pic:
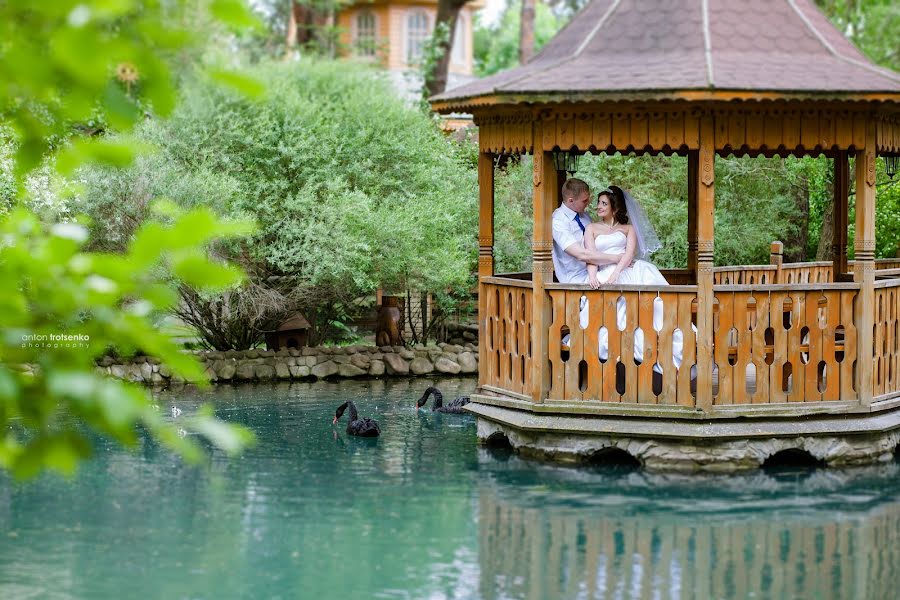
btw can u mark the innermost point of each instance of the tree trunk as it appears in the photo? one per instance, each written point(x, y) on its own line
point(290, 42)
point(795, 247)
point(526, 32)
point(825, 250)
point(447, 12)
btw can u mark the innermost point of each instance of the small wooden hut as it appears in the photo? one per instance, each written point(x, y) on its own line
point(290, 334)
point(803, 356)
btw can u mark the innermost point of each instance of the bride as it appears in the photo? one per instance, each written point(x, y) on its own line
point(623, 228)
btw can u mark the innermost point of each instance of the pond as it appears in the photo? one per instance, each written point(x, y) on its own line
point(424, 513)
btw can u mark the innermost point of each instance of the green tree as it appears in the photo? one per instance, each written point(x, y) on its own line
point(63, 66)
point(352, 189)
point(496, 47)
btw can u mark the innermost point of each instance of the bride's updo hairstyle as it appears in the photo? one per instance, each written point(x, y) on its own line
point(617, 203)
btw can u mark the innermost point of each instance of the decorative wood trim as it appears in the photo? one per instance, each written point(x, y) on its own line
point(754, 128)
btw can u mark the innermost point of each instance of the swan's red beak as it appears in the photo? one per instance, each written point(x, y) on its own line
point(334, 421)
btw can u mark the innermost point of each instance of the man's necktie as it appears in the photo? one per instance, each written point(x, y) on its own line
point(580, 224)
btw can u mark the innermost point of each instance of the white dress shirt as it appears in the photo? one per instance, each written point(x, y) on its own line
point(565, 233)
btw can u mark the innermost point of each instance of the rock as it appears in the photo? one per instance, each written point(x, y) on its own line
point(385, 349)
point(106, 361)
point(244, 371)
point(264, 371)
point(299, 371)
point(376, 369)
point(309, 351)
point(283, 353)
point(146, 371)
point(420, 347)
point(341, 359)
point(395, 365)
point(134, 373)
point(209, 373)
point(312, 361)
point(348, 370)
point(251, 354)
point(214, 355)
point(232, 354)
point(421, 366)
point(282, 371)
point(468, 335)
point(445, 365)
point(453, 348)
point(467, 362)
point(360, 360)
point(118, 371)
point(407, 354)
point(294, 352)
point(157, 379)
point(226, 371)
point(263, 353)
point(165, 371)
point(377, 356)
point(325, 369)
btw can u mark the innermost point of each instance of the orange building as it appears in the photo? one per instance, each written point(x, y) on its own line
point(394, 33)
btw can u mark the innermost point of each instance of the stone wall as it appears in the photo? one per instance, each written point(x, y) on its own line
point(309, 363)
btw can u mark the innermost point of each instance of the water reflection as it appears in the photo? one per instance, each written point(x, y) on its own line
point(577, 534)
point(423, 513)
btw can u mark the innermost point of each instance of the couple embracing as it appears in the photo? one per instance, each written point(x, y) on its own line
point(611, 250)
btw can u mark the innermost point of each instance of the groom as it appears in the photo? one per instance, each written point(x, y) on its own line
point(570, 257)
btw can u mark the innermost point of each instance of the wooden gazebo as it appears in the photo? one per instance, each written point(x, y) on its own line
point(785, 356)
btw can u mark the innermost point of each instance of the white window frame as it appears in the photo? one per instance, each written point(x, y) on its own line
point(407, 42)
point(370, 51)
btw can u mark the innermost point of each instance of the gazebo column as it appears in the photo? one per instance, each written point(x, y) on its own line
point(841, 211)
point(864, 266)
point(705, 222)
point(693, 182)
point(546, 185)
point(485, 252)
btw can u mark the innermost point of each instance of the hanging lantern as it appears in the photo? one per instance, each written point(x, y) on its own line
point(890, 164)
point(565, 161)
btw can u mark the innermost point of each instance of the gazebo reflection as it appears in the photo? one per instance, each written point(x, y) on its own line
point(658, 539)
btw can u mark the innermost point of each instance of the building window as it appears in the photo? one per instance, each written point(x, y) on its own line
point(417, 32)
point(458, 53)
point(365, 34)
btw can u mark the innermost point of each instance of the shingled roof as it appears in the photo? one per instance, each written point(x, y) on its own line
point(663, 48)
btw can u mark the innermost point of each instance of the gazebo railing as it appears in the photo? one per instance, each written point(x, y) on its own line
point(772, 344)
point(506, 339)
point(626, 350)
point(784, 343)
point(886, 367)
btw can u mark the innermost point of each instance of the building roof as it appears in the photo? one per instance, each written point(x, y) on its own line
point(295, 322)
point(664, 48)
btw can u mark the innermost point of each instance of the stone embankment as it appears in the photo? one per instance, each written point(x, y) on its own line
point(309, 363)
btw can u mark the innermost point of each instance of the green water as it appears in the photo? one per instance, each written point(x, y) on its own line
point(423, 513)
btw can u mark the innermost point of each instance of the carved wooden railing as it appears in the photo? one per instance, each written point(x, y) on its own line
point(784, 343)
point(579, 371)
point(506, 341)
point(772, 344)
point(886, 374)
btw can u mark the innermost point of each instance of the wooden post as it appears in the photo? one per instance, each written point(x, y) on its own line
point(864, 266)
point(485, 215)
point(693, 181)
point(706, 193)
point(546, 187)
point(841, 211)
point(776, 257)
point(485, 253)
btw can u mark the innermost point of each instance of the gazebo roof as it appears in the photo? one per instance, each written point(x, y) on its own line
point(691, 49)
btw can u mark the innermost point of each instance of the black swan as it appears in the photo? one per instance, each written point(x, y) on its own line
point(455, 407)
point(364, 427)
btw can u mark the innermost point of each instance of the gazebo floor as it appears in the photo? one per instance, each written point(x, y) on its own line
point(692, 445)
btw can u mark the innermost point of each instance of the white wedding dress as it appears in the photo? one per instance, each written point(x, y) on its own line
point(640, 272)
